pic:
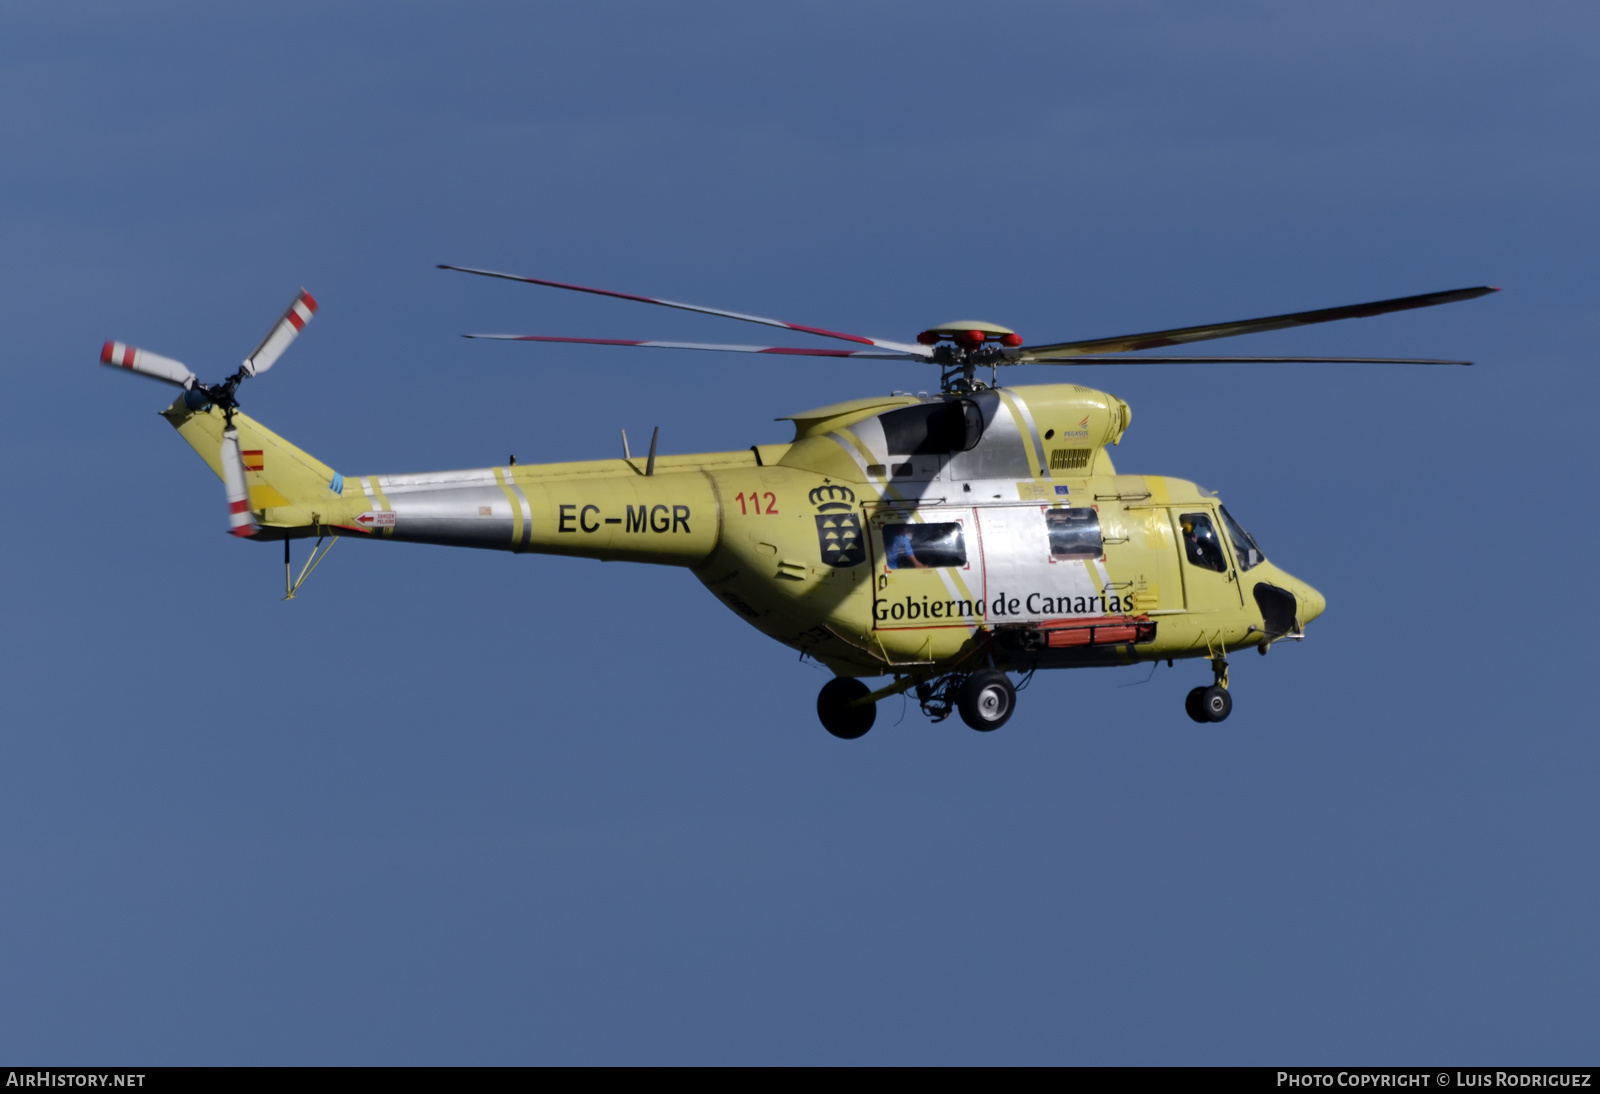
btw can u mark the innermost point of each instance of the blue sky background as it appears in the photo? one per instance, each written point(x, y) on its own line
point(450, 807)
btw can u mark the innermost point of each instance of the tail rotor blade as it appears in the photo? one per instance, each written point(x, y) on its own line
point(145, 363)
point(241, 522)
point(286, 330)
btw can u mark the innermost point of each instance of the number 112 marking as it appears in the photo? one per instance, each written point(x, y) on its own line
point(755, 503)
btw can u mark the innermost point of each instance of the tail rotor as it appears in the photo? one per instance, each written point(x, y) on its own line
point(202, 397)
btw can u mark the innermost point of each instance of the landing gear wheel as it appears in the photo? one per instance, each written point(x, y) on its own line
point(1216, 703)
point(838, 716)
point(987, 700)
point(1191, 704)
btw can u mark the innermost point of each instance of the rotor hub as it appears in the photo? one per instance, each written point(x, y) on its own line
point(959, 347)
point(970, 334)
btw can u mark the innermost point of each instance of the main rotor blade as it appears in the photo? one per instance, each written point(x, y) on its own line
point(1087, 360)
point(903, 347)
point(145, 363)
point(1181, 335)
point(241, 522)
point(285, 331)
point(799, 351)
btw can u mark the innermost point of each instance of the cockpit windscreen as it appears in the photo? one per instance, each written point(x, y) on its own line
point(1244, 544)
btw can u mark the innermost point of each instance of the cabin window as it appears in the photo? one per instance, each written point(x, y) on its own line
point(932, 429)
point(1244, 544)
point(1200, 542)
point(923, 546)
point(1074, 533)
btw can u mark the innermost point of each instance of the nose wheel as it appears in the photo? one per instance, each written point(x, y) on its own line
point(1212, 704)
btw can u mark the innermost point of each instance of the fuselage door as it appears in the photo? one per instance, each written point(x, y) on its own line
point(1210, 583)
point(1143, 558)
point(1044, 562)
point(928, 565)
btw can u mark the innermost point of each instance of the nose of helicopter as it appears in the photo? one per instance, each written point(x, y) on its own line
point(1311, 603)
point(1308, 602)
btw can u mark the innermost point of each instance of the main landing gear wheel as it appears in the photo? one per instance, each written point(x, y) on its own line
point(838, 716)
point(987, 700)
point(1212, 704)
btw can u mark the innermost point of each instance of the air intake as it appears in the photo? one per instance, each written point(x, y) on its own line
point(1070, 459)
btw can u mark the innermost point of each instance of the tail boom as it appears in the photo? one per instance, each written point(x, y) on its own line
point(611, 510)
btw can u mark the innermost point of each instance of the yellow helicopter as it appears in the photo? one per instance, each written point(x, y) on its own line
point(943, 541)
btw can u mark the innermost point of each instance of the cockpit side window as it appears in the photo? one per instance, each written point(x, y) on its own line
point(1200, 542)
point(933, 429)
point(1244, 544)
